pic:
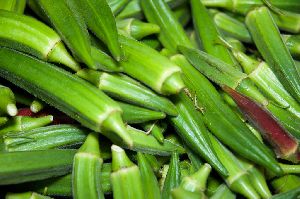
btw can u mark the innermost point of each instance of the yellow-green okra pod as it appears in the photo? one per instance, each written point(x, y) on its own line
point(17, 6)
point(61, 89)
point(31, 36)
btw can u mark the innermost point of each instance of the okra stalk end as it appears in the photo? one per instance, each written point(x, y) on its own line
point(120, 159)
point(173, 84)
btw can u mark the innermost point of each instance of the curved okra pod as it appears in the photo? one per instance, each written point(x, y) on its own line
point(100, 20)
point(190, 127)
point(134, 114)
point(70, 94)
point(172, 179)
point(72, 28)
point(172, 33)
point(26, 166)
point(193, 186)
point(17, 6)
point(270, 45)
point(125, 177)
point(149, 182)
point(148, 66)
point(42, 138)
point(117, 6)
point(86, 170)
point(23, 123)
point(207, 31)
point(222, 121)
point(123, 88)
point(136, 29)
point(7, 102)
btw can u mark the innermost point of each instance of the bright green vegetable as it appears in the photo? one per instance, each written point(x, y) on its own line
point(223, 193)
point(117, 6)
point(156, 129)
point(285, 183)
point(17, 6)
point(292, 194)
point(293, 44)
point(7, 102)
point(25, 195)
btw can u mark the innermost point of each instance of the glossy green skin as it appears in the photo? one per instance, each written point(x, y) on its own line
point(292, 194)
point(25, 166)
point(103, 61)
point(7, 98)
point(43, 138)
point(69, 24)
point(223, 192)
point(101, 21)
point(173, 177)
point(207, 31)
point(59, 88)
point(191, 129)
point(222, 121)
point(117, 6)
point(270, 45)
point(13, 5)
point(172, 33)
point(149, 180)
point(149, 67)
point(293, 43)
point(25, 195)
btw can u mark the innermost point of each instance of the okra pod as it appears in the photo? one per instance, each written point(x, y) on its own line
point(125, 177)
point(49, 137)
point(134, 114)
point(3, 120)
point(293, 44)
point(156, 129)
point(270, 45)
point(72, 29)
point(25, 166)
point(221, 120)
point(172, 179)
point(292, 194)
point(126, 89)
point(236, 44)
point(70, 94)
point(117, 6)
point(25, 195)
point(17, 6)
point(7, 102)
point(285, 183)
point(182, 14)
point(151, 42)
point(86, 170)
point(223, 193)
point(149, 182)
point(148, 66)
point(158, 12)
point(190, 127)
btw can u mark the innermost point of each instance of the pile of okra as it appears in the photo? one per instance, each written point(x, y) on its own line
point(150, 99)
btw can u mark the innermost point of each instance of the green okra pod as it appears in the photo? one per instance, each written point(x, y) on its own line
point(136, 29)
point(151, 42)
point(22, 123)
point(207, 31)
point(148, 66)
point(125, 177)
point(86, 170)
point(149, 182)
point(134, 114)
point(103, 27)
point(25, 166)
point(25, 195)
point(3, 120)
point(117, 6)
point(172, 179)
point(7, 102)
point(190, 127)
point(72, 28)
point(158, 12)
point(212, 185)
point(293, 44)
point(42, 138)
point(223, 192)
point(123, 88)
point(17, 6)
point(292, 194)
point(67, 92)
point(221, 120)
point(270, 45)
point(156, 129)
point(285, 183)
point(182, 14)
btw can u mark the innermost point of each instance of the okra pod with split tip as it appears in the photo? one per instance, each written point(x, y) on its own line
point(136, 29)
point(217, 116)
point(148, 144)
point(207, 31)
point(285, 183)
point(125, 177)
point(223, 192)
point(270, 45)
point(149, 182)
point(190, 127)
point(49, 137)
point(103, 27)
point(17, 6)
point(156, 129)
point(126, 89)
point(193, 186)
point(69, 24)
point(70, 94)
point(134, 114)
point(23, 123)
point(25, 166)
point(172, 179)
point(293, 44)
point(292, 194)
point(86, 170)
point(117, 6)
point(7, 102)
point(26, 195)
point(172, 33)
point(148, 66)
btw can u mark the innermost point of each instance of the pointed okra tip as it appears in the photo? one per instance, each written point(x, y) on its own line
point(11, 110)
point(119, 158)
